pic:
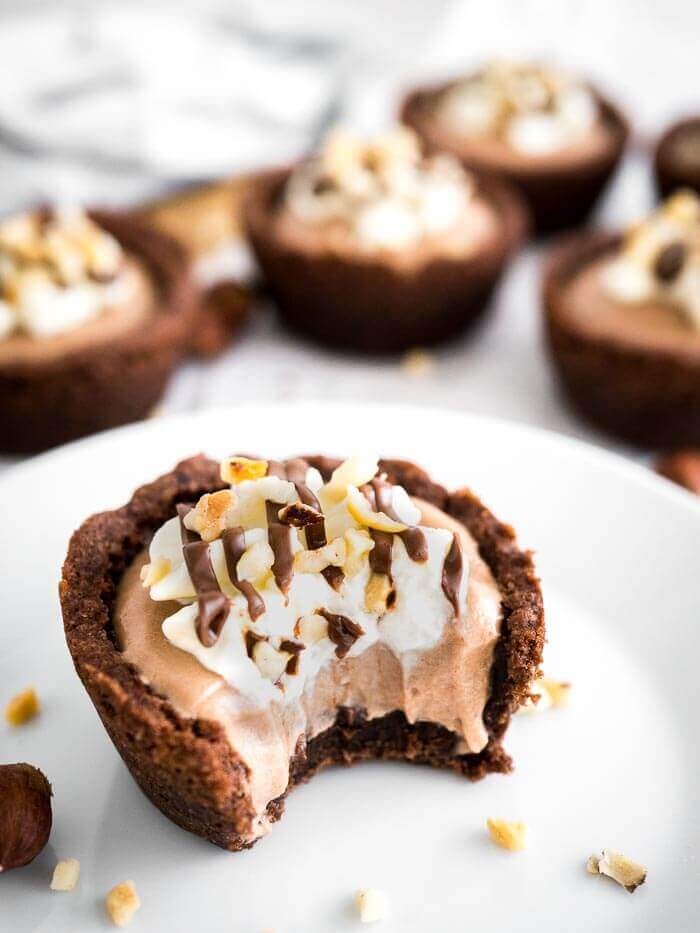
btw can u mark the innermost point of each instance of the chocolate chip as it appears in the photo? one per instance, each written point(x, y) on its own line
point(669, 261)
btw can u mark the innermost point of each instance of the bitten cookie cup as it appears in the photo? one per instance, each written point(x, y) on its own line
point(558, 196)
point(51, 398)
point(645, 393)
point(677, 157)
point(187, 767)
point(365, 302)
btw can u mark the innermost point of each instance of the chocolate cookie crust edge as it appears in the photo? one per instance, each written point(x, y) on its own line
point(558, 198)
point(363, 303)
point(49, 402)
point(647, 397)
point(667, 174)
point(185, 766)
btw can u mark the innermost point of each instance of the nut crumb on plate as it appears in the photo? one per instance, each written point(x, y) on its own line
point(417, 363)
point(507, 834)
point(22, 707)
point(121, 903)
point(65, 875)
point(617, 866)
point(547, 693)
point(371, 905)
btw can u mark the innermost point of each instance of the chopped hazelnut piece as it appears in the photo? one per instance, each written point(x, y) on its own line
point(330, 555)
point(65, 875)
point(311, 628)
point(355, 471)
point(239, 469)
point(121, 903)
point(507, 834)
point(154, 572)
point(208, 518)
point(377, 593)
point(271, 662)
point(617, 866)
point(417, 363)
point(559, 692)
point(371, 905)
point(22, 708)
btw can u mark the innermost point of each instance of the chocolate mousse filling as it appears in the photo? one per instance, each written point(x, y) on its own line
point(111, 370)
point(560, 188)
point(632, 369)
point(223, 772)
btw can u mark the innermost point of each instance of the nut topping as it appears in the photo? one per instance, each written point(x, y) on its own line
point(371, 905)
point(121, 903)
point(507, 834)
point(65, 875)
point(208, 518)
point(22, 708)
point(239, 469)
point(617, 866)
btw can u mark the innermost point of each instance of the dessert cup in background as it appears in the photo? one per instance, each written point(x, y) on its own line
point(240, 626)
point(677, 157)
point(622, 316)
point(95, 311)
point(555, 138)
point(370, 246)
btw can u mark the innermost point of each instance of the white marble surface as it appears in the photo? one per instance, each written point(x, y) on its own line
point(317, 62)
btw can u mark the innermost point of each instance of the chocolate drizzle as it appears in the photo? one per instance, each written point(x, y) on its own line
point(343, 632)
point(333, 576)
point(294, 648)
point(378, 492)
point(452, 573)
point(186, 536)
point(212, 604)
point(233, 541)
point(279, 538)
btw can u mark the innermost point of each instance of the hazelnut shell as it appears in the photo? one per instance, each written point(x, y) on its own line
point(25, 814)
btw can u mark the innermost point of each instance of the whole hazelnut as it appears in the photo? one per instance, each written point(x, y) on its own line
point(25, 814)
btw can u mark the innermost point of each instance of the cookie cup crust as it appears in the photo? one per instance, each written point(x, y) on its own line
point(365, 303)
point(557, 197)
point(49, 402)
point(186, 766)
point(645, 396)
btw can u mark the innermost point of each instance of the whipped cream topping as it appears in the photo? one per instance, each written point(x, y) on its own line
point(58, 270)
point(282, 574)
point(660, 260)
point(383, 192)
point(532, 109)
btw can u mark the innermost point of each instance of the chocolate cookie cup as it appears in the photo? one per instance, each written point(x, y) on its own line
point(365, 303)
point(677, 157)
point(645, 394)
point(49, 399)
point(557, 196)
point(186, 766)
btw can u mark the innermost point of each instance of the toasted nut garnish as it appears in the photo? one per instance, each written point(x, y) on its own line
point(121, 903)
point(299, 515)
point(238, 469)
point(362, 512)
point(256, 563)
point(330, 555)
point(377, 593)
point(23, 707)
point(683, 206)
point(507, 834)
point(65, 875)
point(208, 517)
point(371, 905)
point(271, 662)
point(417, 363)
point(155, 571)
point(538, 700)
point(558, 691)
point(311, 629)
point(358, 543)
point(618, 867)
point(355, 471)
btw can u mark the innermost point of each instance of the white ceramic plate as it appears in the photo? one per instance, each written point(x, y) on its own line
point(618, 553)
